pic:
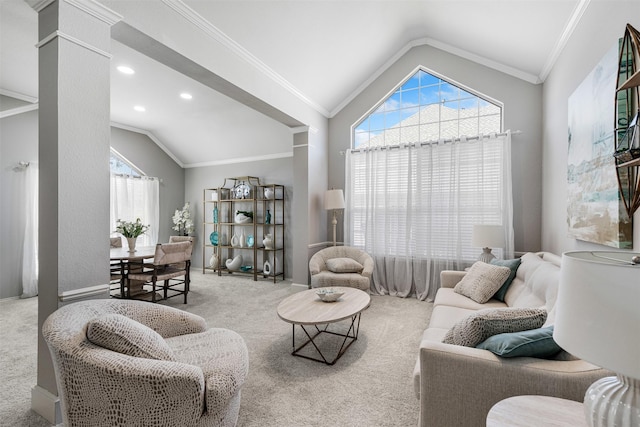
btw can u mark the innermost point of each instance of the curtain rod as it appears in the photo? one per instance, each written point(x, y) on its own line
point(124, 175)
point(414, 144)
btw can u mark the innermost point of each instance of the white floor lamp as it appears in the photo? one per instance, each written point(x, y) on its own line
point(334, 200)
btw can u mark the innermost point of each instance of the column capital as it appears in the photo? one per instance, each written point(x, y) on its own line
point(91, 7)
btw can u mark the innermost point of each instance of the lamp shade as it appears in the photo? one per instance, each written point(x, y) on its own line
point(487, 236)
point(333, 199)
point(598, 309)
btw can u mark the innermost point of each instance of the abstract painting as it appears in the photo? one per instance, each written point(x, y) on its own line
point(595, 211)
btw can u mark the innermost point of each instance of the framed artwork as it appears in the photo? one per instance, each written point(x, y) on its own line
point(595, 210)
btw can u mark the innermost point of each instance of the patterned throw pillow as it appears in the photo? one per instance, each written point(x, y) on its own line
point(124, 335)
point(479, 326)
point(344, 265)
point(482, 281)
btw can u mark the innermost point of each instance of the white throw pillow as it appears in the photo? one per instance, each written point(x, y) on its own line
point(477, 327)
point(482, 281)
point(344, 265)
point(124, 335)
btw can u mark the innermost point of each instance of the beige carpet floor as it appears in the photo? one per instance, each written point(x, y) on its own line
point(371, 385)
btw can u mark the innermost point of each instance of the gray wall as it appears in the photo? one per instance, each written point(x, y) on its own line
point(522, 111)
point(19, 142)
point(148, 157)
point(274, 171)
point(601, 25)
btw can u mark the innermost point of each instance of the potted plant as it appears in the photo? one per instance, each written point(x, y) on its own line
point(131, 230)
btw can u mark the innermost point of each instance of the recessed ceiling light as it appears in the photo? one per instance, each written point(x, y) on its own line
point(185, 95)
point(140, 108)
point(125, 70)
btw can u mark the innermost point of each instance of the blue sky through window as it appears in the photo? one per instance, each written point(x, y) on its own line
point(427, 108)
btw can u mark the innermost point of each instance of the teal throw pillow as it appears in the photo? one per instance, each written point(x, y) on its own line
point(513, 264)
point(532, 343)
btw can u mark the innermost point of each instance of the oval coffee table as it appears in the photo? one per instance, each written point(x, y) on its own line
point(306, 310)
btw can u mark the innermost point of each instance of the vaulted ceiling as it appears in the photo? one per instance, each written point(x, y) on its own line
point(324, 52)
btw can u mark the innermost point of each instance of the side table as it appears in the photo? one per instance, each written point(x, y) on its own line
point(527, 411)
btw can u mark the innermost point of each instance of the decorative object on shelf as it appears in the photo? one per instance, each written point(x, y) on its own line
point(242, 191)
point(131, 230)
point(215, 215)
point(213, 238)
point(235, 241)
point(589, 281)
point(182, 221)
point(214, 195)
point(267, 217)
point(268, 241)
point(334, 200)
point(266, 268)
point(213, 262)
point(246, 268)
point(234, 264)
point(329, 294)
point(250, 241)
point(242, 239)
point(268, 193)
point(223, 239)
point(487, 237)
point(243, 217)
point(628, 148)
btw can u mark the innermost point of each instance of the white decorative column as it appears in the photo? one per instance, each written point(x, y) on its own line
point(74, 132)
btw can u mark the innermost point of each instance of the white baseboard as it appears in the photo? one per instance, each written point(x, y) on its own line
point(299, 286)
point(46, 404)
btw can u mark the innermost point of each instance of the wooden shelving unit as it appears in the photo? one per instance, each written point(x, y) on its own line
point(225, 237)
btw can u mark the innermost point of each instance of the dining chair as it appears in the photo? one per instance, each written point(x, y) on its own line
point(178, 239)
point(115, 267)
point(171, 264)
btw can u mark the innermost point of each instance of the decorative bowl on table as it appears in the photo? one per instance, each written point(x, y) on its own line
point(329, 294)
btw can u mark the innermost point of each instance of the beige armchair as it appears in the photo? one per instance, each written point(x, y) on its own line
point(124, 363)
point(341, 266)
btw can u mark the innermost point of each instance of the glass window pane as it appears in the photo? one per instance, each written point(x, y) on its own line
point(413, 82)
point(469, 127)
point(393, 102)
point(449, 129)
point(410, 116)
point(429, 95)
point(448, 91)
point(409, 135)
point(427, 79)
point(392, 119)
point(489, 124)
point(363, 126)
point(487, 108)
point(361, 138)
point(377, 121)
point(430, 132)
point(449, 110)
point(410, 98)
point(392, 136)
point(430, 114)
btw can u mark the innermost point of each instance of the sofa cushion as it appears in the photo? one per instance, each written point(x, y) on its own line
point(343, 265)
point(124, 335)
point(482, 281)
point(447, 296)
point(479, 326)
point(531, 343)
point(513, 264)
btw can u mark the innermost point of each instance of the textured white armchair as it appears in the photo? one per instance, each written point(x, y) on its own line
point(341, 266)
point(123, 363)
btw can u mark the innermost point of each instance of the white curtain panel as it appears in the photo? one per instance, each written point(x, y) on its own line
point(133, 198)
point(30, 245)
point(413, 208)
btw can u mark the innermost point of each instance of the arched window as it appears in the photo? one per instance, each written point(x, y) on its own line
point(427, 108)
point(120, 165)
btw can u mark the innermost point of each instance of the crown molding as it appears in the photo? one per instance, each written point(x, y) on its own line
point(573, 22)
point(215, 33)
point(240, 160)
point(91, 7)
point(18, 95)
point(151, 137)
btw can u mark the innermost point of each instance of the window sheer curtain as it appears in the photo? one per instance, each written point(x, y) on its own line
point(30, 242)
point(413, 208)
point(133, 198)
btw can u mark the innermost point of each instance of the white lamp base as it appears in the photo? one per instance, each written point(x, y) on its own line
point(486, 255)
point(613, 402)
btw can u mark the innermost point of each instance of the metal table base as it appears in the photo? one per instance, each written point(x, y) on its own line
point(349, 338)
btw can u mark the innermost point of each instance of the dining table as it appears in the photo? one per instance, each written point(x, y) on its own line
point(131, 261)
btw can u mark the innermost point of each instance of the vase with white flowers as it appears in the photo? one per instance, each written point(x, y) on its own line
point(182, 221)
point(131, 231)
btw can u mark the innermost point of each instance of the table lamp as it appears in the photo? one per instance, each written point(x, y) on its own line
point(334, 200)
point(598, 320)
point(487, 237)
